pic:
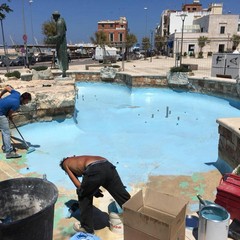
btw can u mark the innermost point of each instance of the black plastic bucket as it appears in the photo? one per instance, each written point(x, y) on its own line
point(27, 209)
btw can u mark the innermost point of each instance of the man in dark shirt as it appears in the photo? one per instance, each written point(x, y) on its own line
point(96, 171)
point(8, 105)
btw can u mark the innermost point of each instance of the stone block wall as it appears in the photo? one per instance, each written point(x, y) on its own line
point(229, 141)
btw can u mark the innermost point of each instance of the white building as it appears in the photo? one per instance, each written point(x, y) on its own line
point(197, 21)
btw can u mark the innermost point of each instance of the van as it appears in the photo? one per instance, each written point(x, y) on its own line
point(106, 54)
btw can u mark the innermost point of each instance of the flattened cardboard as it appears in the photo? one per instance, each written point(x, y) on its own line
point(158, 215)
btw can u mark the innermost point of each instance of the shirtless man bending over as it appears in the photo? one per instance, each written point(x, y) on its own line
point(95, 171)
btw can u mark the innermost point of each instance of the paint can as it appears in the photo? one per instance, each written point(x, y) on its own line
point(207, 203)
point(115, 218)
point(203, 203)
point(213, 223)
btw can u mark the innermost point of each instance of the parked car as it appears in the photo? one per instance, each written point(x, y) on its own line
point(119, 57)
point(4, 61)
point(43, 57)
point(21, 61)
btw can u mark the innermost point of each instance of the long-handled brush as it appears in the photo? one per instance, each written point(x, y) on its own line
point(28, 148)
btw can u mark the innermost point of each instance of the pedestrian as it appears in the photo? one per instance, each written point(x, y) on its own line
point(95, 171)
point(61, 43)
point(8, 105)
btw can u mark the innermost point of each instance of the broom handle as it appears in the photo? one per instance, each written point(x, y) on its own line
point(20, 133)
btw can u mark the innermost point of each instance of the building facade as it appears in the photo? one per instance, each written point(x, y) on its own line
point(209, 22)
point(116, 30)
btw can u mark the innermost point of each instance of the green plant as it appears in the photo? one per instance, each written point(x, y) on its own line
point(179, 69)
point(16, 74)
point(209, 54)
point(115, 66)
point(200, 55)
point(40, 68)
point(185, 54)
point(192, 54)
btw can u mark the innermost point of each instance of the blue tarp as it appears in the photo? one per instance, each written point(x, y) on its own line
point(84, 236)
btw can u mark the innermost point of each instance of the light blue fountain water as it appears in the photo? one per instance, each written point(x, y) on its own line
point(131, 128)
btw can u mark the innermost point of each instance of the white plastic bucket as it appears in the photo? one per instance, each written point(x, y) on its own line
point(115, 218)
point(213, 223)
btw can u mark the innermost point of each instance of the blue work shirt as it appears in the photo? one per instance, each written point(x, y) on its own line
point(10, 102)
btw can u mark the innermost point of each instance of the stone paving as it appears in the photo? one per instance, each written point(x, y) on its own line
point(154, 66)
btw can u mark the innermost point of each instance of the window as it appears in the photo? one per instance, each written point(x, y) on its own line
point(238, 28)
point(111, 25)
point(111, 37)
point(102, 25)
point(222, 29)
point(120, 37)
point(221, 48)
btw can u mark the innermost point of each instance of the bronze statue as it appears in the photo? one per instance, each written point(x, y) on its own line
point(61, 43)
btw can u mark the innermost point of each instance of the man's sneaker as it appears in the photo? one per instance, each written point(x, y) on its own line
point(13, 154)
point(78, 228)
point(4, 149)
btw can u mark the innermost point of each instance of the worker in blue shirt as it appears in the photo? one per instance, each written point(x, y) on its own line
point(8, 105)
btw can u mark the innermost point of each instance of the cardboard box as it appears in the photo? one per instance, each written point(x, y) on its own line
point(155, 216)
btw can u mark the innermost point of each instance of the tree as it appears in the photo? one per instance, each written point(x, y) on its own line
point(131, 39)
point(236, 40)
point(202, 41)
point(159, 42)
point(48, 29)
point(145, 45)
point(4, 8)
point(100, 38)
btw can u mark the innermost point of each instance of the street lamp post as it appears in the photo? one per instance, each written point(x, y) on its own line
point(25, 35)
point(146, 21)
point(183, 16)
point(30, 2)
point(151, 45)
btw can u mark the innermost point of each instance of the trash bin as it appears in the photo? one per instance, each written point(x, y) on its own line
point(27, 209)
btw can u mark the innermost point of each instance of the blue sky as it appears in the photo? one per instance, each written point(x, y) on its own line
point(82, 16)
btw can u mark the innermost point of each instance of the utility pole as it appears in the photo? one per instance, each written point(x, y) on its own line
point(25, 35)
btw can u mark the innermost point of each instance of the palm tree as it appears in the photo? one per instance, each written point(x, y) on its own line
point(48, 30)
point(100, 38)
point(145, 45)
point(4, 8)
point(202, 41)
point(159, 42)
point(236, 40)
point(131, 39)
